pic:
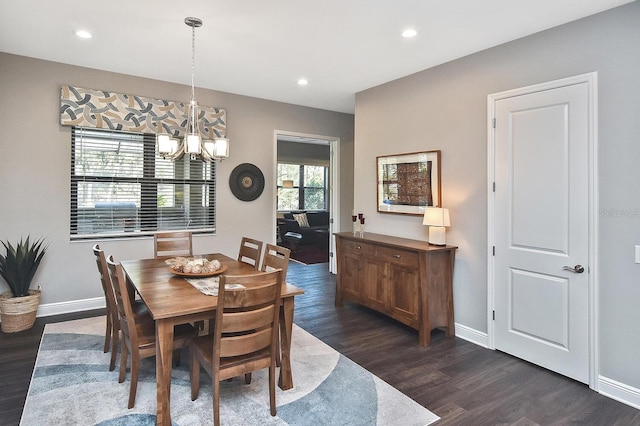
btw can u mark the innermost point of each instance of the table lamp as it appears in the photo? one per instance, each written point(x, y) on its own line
point(436, 219)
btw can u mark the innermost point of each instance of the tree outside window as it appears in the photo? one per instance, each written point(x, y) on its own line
point(302, 187)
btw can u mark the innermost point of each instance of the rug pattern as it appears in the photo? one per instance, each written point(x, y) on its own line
point(71, 384)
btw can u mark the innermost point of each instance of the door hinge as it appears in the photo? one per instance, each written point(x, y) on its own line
point(494, 123)
point(494, 250)
point(494, 187)
point(494, 315)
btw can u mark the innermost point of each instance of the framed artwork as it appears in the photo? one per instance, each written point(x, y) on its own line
point(407, 183)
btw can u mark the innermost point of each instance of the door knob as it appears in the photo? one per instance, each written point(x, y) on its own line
point(578, 269)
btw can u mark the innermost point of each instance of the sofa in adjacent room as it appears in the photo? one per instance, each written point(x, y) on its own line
point(304, 227)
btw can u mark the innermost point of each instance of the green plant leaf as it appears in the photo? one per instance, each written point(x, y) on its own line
point(20, 264)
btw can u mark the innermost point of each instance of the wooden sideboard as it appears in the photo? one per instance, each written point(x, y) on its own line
point(408, 280)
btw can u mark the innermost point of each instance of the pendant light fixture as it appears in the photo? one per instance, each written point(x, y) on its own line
point(193, 142)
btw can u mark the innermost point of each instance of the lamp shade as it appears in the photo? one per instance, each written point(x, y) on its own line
point(221, 148)
point(192, 143)
point(436, 216)
point(164, 143)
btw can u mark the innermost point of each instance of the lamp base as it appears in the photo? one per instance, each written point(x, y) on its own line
point(437, 235)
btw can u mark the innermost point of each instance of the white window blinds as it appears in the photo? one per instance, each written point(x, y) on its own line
point(120, 186)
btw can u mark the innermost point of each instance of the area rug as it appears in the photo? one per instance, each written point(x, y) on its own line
point(72, 385)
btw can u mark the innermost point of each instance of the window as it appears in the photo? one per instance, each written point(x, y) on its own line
point(120, 186)
point(302, 187)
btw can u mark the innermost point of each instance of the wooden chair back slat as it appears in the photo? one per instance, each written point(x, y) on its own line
point(179, 243)
point(245, 344)
point(250, 251)
point(235, 322)
point(276, 257)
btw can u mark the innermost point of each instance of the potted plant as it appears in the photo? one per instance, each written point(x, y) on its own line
point(18, 307)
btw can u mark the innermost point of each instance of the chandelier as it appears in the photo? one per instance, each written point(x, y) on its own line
point(193, 143)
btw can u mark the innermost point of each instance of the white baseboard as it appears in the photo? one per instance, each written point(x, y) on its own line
point(72, 306)
point(619, 391)
point(472, 335)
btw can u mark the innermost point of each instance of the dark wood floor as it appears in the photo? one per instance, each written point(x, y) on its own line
point(461, 382)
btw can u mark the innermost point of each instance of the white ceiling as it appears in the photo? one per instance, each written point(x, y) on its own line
point(260, 48)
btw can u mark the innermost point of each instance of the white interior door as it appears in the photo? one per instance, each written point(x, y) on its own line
point(541, 228)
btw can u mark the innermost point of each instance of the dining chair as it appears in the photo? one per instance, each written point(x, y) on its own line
point(112, 332)
point(139, 333)
point(245, 332)
point(276, 257)
point(250, 250)
point(175, 243)
point(178, 243)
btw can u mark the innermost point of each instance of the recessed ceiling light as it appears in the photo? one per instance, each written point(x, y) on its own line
point(409, 33)
point(303, 82)
point(83, 34)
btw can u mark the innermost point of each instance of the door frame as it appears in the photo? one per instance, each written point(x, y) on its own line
point(591, 79)
point(334, 184)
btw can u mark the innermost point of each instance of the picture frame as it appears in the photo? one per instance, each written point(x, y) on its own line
point(408, 183)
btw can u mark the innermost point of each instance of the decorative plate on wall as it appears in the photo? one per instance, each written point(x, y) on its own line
point(246, 182)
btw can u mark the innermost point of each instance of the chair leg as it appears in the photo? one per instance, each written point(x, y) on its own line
point(278, 344)
point(107, 336)
point(272, 389)
point(194, 376)
point(176, 357)
point(133, 387)
point(278, 354)
point(114, 354)
point(115, 338)
point(123, 363)
point(247, 378)
point(216, 402)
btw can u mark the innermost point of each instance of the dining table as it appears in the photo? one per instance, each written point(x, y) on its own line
point(172, 300)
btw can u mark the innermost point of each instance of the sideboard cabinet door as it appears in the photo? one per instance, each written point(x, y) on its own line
point(375, 282)
point(403, 301)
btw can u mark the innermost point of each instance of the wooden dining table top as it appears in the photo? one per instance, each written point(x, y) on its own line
point(169, 295)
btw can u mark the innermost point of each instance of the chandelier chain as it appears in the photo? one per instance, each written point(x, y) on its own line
point(193, 61)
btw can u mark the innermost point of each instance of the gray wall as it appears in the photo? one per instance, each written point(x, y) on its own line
point(35, 167)
point(305, 153)
point(446, 108)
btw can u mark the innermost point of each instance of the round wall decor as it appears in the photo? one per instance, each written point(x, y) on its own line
point(246, 182)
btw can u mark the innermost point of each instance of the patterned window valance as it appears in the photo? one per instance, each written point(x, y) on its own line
point(116, 111)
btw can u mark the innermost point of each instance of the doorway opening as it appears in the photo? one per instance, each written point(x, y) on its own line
point(306, 206)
